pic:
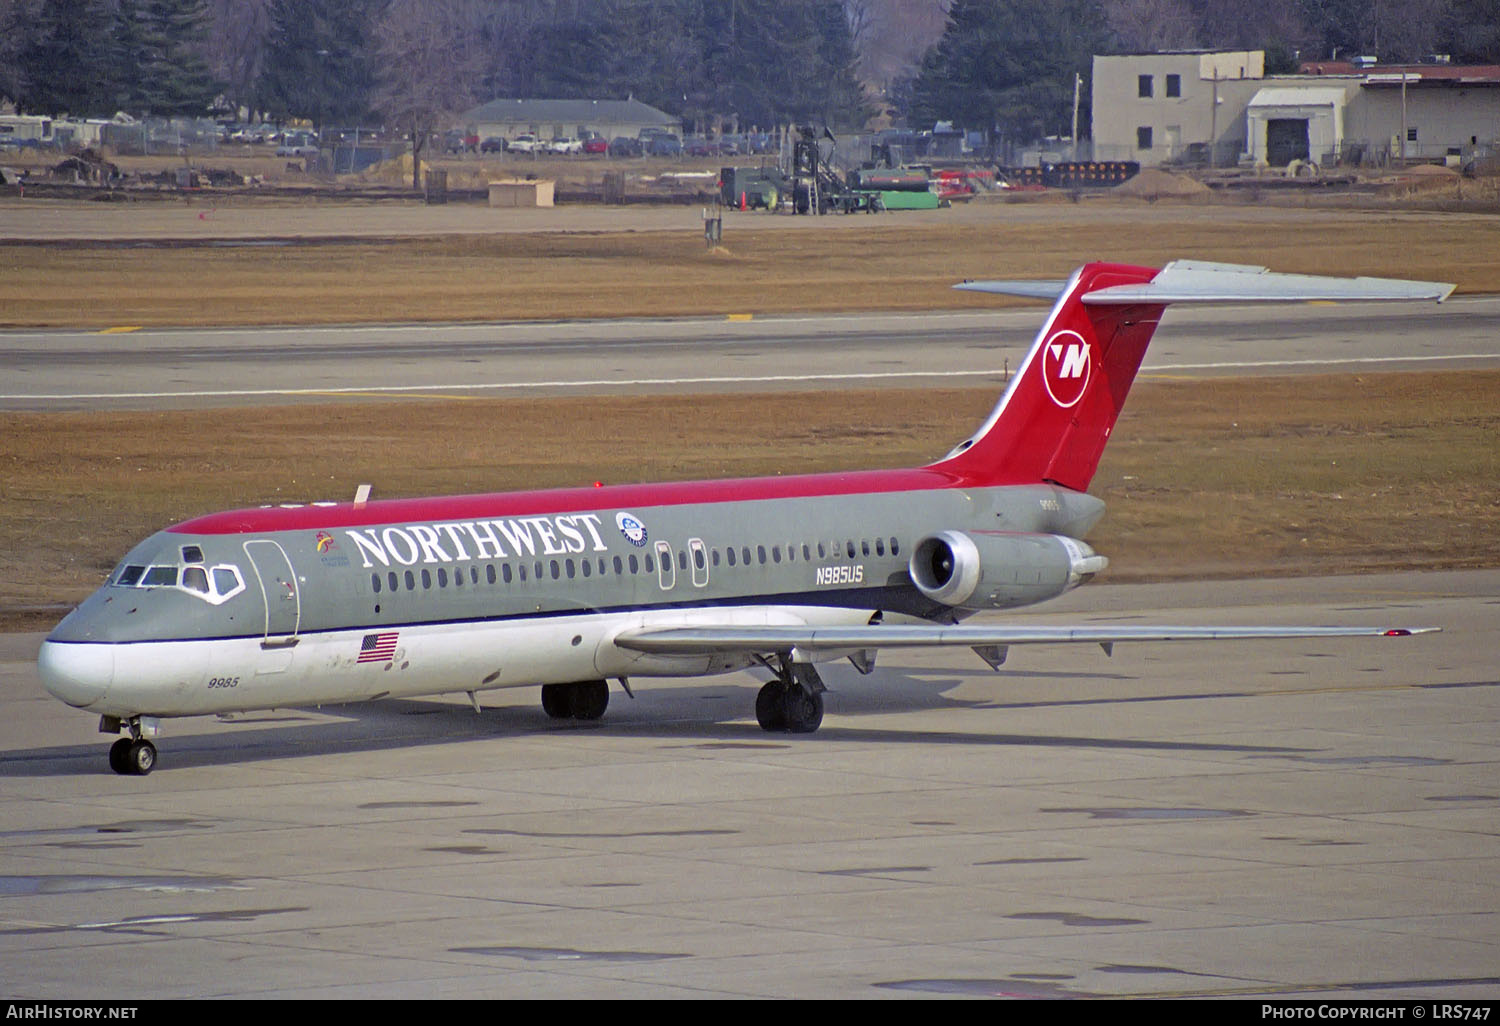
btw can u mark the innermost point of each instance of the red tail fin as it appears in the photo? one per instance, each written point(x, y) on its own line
point(1054, 419)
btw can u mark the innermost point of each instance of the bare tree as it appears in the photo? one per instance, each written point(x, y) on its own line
point(236, 45)
point(429, 68)
point(1151, 25)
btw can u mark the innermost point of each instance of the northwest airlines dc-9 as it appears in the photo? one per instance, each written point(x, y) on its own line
point(569, 589)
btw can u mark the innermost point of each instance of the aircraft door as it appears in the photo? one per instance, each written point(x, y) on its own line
point(278, 588)
point(666, 569)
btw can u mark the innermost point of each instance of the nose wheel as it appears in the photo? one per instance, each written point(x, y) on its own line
point(132, 756)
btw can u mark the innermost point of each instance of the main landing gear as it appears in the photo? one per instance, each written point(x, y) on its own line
point(585, 700)
point(793, 702)
point(133, 755)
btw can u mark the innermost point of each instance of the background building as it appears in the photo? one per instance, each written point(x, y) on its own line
point(1188, 107)
point(566, 119)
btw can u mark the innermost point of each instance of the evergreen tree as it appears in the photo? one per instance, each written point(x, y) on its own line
point(60, 69)
point(1006, 67)
point(319, 62)
point(176, 80)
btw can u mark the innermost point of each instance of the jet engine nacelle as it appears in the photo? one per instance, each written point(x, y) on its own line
point(1000, 569)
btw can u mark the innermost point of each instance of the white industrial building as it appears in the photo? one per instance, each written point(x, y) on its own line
point(1160, 108)
point(566, 119)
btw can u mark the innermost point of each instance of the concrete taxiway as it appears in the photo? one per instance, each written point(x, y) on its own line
point(162, 368)
point(1287, 819)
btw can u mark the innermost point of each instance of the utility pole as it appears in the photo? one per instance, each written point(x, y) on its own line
point(1077, 85)
point(1213, 123)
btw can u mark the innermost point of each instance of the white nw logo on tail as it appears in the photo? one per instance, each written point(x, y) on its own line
point(1066, 363)
point(1075, 363)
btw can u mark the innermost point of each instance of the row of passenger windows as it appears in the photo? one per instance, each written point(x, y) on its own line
point(569, 569)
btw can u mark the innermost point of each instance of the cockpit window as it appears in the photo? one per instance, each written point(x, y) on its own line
point(160, 577)
point(213, 584)
point(226, 580)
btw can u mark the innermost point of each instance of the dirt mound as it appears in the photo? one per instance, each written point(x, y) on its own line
point(1153, 184)
point(1429, 171)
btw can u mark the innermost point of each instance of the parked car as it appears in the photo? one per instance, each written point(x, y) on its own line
point(597, 144)
point(562, 146)
point(523, 143)
point(493, 144)
point(298, 144)
point(664, 146)
point(624, 146)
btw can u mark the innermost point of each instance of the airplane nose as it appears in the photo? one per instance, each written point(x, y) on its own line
point(77, 674)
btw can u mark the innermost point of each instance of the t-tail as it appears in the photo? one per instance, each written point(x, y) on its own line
point(1056, 416)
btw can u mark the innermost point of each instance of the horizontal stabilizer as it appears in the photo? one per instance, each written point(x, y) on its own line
point(1025, 289)
point(700, 640)
point(1197, 281)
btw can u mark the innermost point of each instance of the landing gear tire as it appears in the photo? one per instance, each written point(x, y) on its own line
point(133, 757)
point(770, 707)
point(803, 710)
point(557, 701)
point(590, 699)
point(585, 700)
point(141, 758)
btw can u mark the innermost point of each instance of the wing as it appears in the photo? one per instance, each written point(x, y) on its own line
point(990, 643)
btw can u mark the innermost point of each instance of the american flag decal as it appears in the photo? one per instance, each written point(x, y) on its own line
point(378, 648)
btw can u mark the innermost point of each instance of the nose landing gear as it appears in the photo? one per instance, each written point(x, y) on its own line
point(133, 755)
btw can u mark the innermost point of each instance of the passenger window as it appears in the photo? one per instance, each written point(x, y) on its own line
point(587, 567)
point(411, 582)
point(374, 582)
point(195, 578)
point(442, 578)
point(729, 555)
point(879, 546)
point(760, 551)
point(895, 547)
point(619, 568)
point(850, 549)
point(489, 573)
point(776, 553)
point(635, 565)
point(864, 547)
point(570, 568)
point(390, 579)
point(806, 553)
point(504, 573)
point(427, 580)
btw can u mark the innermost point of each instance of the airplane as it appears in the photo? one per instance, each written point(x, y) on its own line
point(320, 603)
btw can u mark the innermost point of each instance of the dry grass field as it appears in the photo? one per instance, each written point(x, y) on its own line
point(1216, 477)
point(885, 265)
